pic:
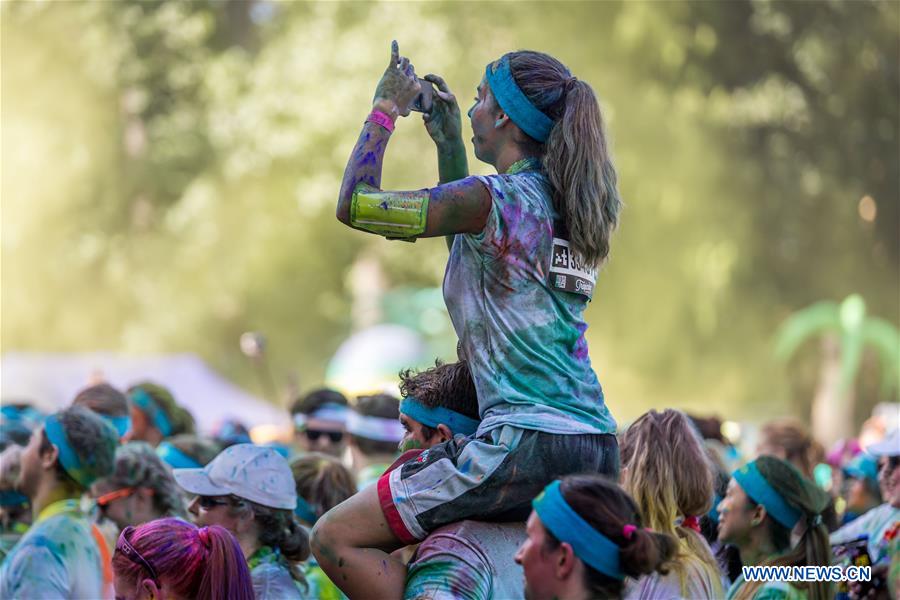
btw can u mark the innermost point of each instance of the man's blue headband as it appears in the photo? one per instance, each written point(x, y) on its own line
point(515, 103)
point(432, 417)
point(154, 411)
point(591, 546)
point(175, 458)
point(121, 424)
point(759, 490)
point(69, 460)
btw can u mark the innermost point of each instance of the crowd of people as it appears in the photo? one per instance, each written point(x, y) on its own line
point(500, 475)
point(90, 510)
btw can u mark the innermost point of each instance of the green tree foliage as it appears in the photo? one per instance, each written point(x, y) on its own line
point(170, 171)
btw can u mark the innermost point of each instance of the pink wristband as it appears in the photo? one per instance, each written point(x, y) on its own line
point(379, 118)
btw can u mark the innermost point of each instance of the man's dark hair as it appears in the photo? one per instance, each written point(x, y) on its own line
point(103, 399)
point(92, 439)
point(443, 385)
point(384, 406)
point(316, 399)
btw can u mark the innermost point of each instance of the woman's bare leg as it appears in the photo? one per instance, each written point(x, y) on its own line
point(352, 543)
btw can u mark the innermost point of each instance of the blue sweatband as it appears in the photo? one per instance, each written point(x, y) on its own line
point(175, 458)
point(759, 490)
point(122, 424)
point(713, 513)
point(12, 498)
point(432, 417)
point(305, 511)
point(69, 460)
point(156, 414)
point(591, 546)
point(514, 102)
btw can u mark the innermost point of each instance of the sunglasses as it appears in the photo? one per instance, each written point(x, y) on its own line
point(209, 502)
point(124, 547)
point(314, 434)
point(105, 500)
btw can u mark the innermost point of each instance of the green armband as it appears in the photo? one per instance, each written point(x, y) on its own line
point(391, 214)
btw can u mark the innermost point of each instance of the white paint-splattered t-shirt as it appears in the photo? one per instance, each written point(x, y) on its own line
point(469, 560)
point(57, 558)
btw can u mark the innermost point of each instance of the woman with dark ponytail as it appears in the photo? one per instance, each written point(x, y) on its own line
point(170, 558)
point(249, 490)
point(767, 500)
point(525, 245)
point(585, 537)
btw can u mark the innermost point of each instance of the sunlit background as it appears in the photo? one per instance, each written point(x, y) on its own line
point(170, 169)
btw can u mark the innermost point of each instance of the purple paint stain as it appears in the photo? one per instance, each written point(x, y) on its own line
point(580, 350)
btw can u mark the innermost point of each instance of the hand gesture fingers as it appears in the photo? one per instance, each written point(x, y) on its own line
point(395, 55)
point(443, 91)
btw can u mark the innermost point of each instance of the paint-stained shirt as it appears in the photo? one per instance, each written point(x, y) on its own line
point(878, 524)
point(57, 558)
point(271, 577)
point(524, 340)
point(699, 583)
point(770, 590)
point(469, 560)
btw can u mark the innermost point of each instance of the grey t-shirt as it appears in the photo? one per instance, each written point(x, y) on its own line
point(524, 338)
point(469, 560)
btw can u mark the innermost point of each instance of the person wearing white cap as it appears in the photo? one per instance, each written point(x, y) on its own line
point(250, 491)
point(881, 524)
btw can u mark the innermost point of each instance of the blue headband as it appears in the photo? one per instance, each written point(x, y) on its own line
point(305, 511)
point(713, 513)
point(12, 498)
point(432, 417)
point(175, 458)
point(514, 102)
point(69, 460)
point(591, 546)
point(756, 486)
point(121, 424)
point(149, 406)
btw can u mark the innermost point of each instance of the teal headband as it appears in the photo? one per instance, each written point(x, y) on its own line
point(761, 492)
point(432, 417)
point(515, 103)
point(591, 546)
point(175, 458)
point(121, 424)
point(305, 511)
point(148, 405)
point(69, 460)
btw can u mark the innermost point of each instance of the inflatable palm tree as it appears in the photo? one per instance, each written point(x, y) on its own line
point(845, 331)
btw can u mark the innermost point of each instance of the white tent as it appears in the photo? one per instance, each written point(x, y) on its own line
point(50, 382)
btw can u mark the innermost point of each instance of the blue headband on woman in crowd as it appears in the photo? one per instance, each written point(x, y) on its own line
point(148, 405)
point(761, 492)
point(305, 511)
point(122, 424)
point(175, 458)
point(515, 103)
point(69, 460)
point(433, 416)
point(591, 546)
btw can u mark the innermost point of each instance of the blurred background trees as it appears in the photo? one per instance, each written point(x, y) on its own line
point(170, 171)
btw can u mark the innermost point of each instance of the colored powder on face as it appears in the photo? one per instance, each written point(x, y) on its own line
point(410, 444)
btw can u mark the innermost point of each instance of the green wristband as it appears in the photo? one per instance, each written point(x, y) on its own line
point(391, 214)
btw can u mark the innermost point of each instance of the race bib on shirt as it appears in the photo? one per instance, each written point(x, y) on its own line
point(567, 273)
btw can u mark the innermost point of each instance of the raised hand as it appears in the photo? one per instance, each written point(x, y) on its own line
point(398, 86)
point(444, 122)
